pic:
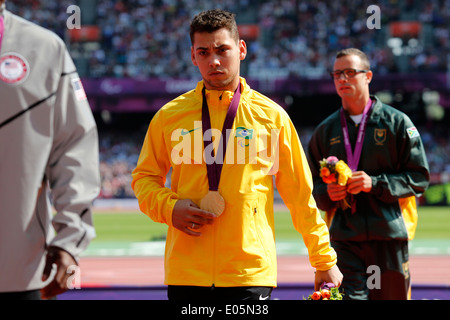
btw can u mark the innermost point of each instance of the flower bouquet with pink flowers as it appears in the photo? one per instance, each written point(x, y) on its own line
point(334, 170)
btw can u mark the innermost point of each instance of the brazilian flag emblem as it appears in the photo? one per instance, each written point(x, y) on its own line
point(242, 132)
point(243, 135)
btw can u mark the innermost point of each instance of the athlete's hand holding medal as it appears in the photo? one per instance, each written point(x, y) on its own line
point(187, 216)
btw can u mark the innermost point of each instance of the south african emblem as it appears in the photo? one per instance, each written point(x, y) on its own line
point(380, 136)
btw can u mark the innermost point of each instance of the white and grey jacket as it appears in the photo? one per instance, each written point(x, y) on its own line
point(49, 163)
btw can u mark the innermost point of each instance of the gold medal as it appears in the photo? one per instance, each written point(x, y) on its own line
point(213, 202)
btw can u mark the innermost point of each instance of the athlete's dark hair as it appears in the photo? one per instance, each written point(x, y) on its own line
point(213, 20)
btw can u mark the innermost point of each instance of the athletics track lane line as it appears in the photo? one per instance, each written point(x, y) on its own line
point(149, 271)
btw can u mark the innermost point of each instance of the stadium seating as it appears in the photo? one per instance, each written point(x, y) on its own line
point(287, 39)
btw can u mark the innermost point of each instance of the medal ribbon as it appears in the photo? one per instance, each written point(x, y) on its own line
point(214, 169)
point(2, 30)
point(353, 158)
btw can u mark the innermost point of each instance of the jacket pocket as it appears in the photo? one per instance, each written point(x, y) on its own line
point(263, 225)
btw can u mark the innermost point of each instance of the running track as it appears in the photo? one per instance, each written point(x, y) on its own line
point(430, 274)
point(148, 271)
point(430, 277)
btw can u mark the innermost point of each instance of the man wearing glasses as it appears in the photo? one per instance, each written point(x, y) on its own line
point(389, 169)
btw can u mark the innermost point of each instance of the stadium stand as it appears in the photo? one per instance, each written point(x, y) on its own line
point(148, 38)
point(288, 40)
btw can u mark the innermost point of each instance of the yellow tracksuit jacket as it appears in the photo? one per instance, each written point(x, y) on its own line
point(238, 249)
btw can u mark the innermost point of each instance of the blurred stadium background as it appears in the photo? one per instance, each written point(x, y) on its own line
point(134, 56)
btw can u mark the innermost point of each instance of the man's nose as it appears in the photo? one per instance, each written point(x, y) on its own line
point(342, 78)
point(215, 61)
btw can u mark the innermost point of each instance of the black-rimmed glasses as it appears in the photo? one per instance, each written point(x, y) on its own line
point(348, 73)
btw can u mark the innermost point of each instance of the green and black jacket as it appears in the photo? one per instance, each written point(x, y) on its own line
point(393, 155)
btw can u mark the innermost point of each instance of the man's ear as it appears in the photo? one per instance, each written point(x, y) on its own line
point(242, 49)
point(369, 75)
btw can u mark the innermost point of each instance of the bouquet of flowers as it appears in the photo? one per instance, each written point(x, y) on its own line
point(328, 291)
point(334, 170)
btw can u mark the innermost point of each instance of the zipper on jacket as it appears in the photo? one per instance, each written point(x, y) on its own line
point(214, 256)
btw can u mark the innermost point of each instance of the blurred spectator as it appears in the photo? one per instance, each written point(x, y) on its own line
point(118, 157)
point(437, 147)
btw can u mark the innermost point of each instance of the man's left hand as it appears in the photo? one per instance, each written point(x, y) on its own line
point(360, 181)
point(63, 260)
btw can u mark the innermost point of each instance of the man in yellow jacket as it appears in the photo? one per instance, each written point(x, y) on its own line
point(224, 143)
